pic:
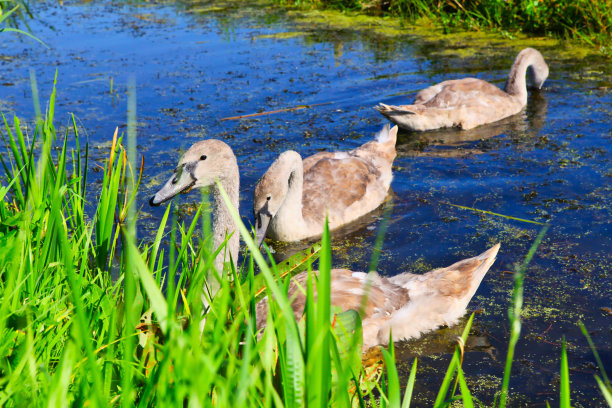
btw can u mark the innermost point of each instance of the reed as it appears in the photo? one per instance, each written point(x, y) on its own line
point(583, 20)
point(14, 14)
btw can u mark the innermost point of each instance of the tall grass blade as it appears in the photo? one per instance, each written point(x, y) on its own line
point(16, 30)
point(319, 360)
point(441, 398)
point(293, 360)
point(131, 149)
point(81, 330)
point(564, 399)
point(602, 370)
point(393, 388)
point(410, 385)
point(154, 294)
point(605, 390)
point(35, 97)
point(380, 236)
point(466, 396)
point(514, 314)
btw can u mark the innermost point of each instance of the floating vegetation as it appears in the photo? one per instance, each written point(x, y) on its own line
point(585, 21)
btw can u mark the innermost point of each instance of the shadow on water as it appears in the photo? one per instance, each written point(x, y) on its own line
point(196, 63)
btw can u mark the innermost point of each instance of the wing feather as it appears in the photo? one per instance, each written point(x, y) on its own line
point(332, 185)
point(461, 93)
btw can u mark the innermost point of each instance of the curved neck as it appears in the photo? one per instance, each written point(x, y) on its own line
point(289, 216)
point(516, 85)
point(223, 224)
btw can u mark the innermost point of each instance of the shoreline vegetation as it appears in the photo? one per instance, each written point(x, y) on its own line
point(89, 317)
point(582, 21)
point(71, 335)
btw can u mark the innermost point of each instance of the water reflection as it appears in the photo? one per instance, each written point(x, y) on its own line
point(444, 340)
point(344, 241)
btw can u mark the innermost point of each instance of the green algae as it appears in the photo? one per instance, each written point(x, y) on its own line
point(205, 10)
point(281, 35)
point(458, 44)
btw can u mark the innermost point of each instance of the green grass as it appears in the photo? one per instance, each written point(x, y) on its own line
point(588, 21)
point(72, 335)
point(15, 13)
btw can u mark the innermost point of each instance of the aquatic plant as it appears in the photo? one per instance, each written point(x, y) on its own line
point(70, 334)
point(583, 20)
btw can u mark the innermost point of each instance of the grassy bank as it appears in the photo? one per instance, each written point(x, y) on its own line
point(582, 20)
point(72, 335)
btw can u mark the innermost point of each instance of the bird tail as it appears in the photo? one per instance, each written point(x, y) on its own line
point(461, 279)
point(390, 110)
point(437, 297)
point(387, 135)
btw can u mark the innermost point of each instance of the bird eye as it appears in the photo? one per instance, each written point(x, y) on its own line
point(203, 157)
point(268, 198)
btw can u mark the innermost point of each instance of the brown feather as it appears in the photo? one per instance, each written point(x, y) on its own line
point(321, 186)
point(347, 292)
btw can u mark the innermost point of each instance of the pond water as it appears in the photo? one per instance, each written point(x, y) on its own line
point(195, 65)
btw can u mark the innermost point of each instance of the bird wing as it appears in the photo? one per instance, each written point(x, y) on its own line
point(460, 93)
point(348, 289)
point(312, 160)
point(333, 184)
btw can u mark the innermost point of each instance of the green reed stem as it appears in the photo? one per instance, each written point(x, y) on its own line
point(514, 314)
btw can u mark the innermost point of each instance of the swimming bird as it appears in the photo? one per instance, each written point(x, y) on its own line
point(205, 162)
point(407, 305)
point(470, 102)
point(293, 197)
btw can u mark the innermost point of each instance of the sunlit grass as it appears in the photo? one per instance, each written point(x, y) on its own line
point(583, 20)
point(13, 14)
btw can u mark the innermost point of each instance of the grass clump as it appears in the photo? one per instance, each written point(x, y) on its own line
point(583, 20)
point(72, 335)
point(14, 13)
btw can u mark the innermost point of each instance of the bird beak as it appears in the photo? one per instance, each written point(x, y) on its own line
point(181, 182)
point(262, 220)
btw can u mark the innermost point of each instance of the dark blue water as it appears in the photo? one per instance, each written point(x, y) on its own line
point(551, 163)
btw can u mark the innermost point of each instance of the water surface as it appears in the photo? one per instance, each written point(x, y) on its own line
point(551, 163)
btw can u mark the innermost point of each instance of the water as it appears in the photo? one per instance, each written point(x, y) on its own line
point(551, 163)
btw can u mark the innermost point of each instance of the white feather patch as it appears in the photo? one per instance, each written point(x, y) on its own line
point(383, 135)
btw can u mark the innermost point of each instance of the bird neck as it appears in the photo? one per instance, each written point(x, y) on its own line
point(223, 223)
point(289, 220)
point(516, 85)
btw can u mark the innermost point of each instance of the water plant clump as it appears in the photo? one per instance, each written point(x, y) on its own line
point(583, 20)
point(72, 335)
